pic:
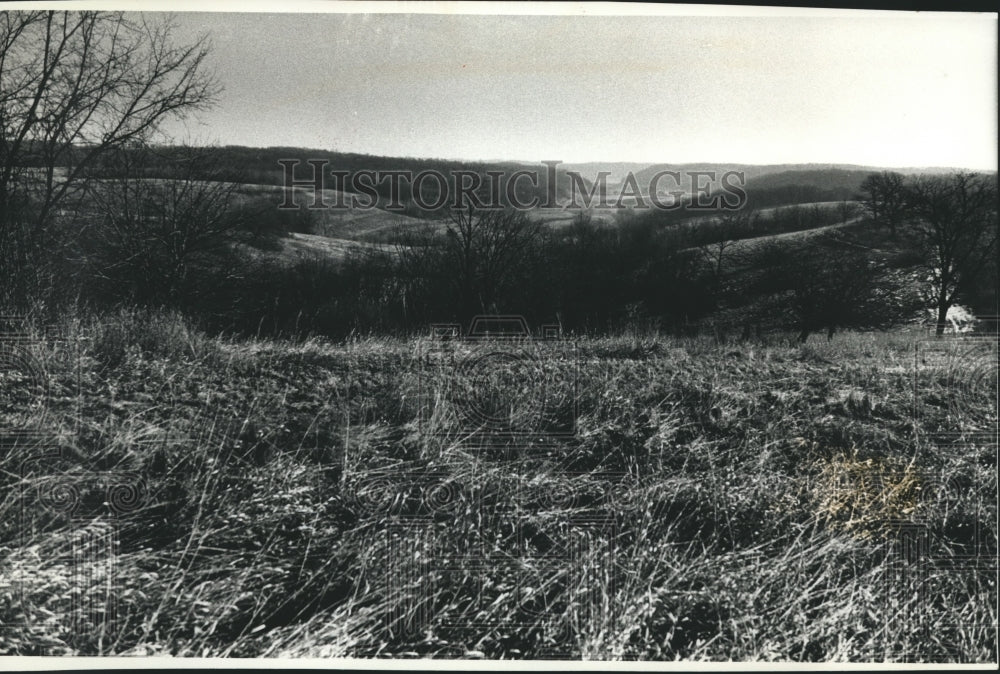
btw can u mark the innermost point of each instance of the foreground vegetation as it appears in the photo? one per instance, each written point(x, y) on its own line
point(200, 496)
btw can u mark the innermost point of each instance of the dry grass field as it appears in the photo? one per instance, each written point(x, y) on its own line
point(629, 497)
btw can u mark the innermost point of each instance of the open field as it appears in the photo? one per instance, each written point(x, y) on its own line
point(662, 497)
point(754, 244)
point(268, 387)
point(297, 244)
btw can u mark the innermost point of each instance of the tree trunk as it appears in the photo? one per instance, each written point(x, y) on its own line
point(942, 318)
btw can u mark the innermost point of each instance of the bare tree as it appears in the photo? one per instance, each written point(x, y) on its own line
point(74, 86)
point(582, 221)
point(884, 198)
point(957, 225)
point(726, 231)
point(835, 285)
point(419, 265)
point(155, 231)
point(847, 210)
point(485, 248)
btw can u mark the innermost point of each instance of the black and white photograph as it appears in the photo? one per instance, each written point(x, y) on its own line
point(497, 335)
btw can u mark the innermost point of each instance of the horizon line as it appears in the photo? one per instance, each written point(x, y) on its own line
point(494, 160)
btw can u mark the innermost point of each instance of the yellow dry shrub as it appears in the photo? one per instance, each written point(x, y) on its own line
point(867, 498)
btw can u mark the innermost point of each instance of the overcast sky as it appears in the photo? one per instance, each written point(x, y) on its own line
point(903, 90)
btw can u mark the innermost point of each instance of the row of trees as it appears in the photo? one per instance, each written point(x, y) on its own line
point(170, 241)
point(587, 275)
point(591, 277)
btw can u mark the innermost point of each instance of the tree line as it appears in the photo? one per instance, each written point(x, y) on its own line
point(93, 211)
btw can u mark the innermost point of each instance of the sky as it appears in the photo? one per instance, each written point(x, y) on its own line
point(879, 89)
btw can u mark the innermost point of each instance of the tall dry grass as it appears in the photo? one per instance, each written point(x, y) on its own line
point(755, 501)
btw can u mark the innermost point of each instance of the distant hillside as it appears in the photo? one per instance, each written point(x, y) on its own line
point(809, 185)
point(806, 186)
point(757, 171)
point(260, 166)
point(830, 179)
point(616, 170)
point(255, 165)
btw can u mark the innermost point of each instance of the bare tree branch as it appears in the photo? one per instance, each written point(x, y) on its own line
point(73, 87)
